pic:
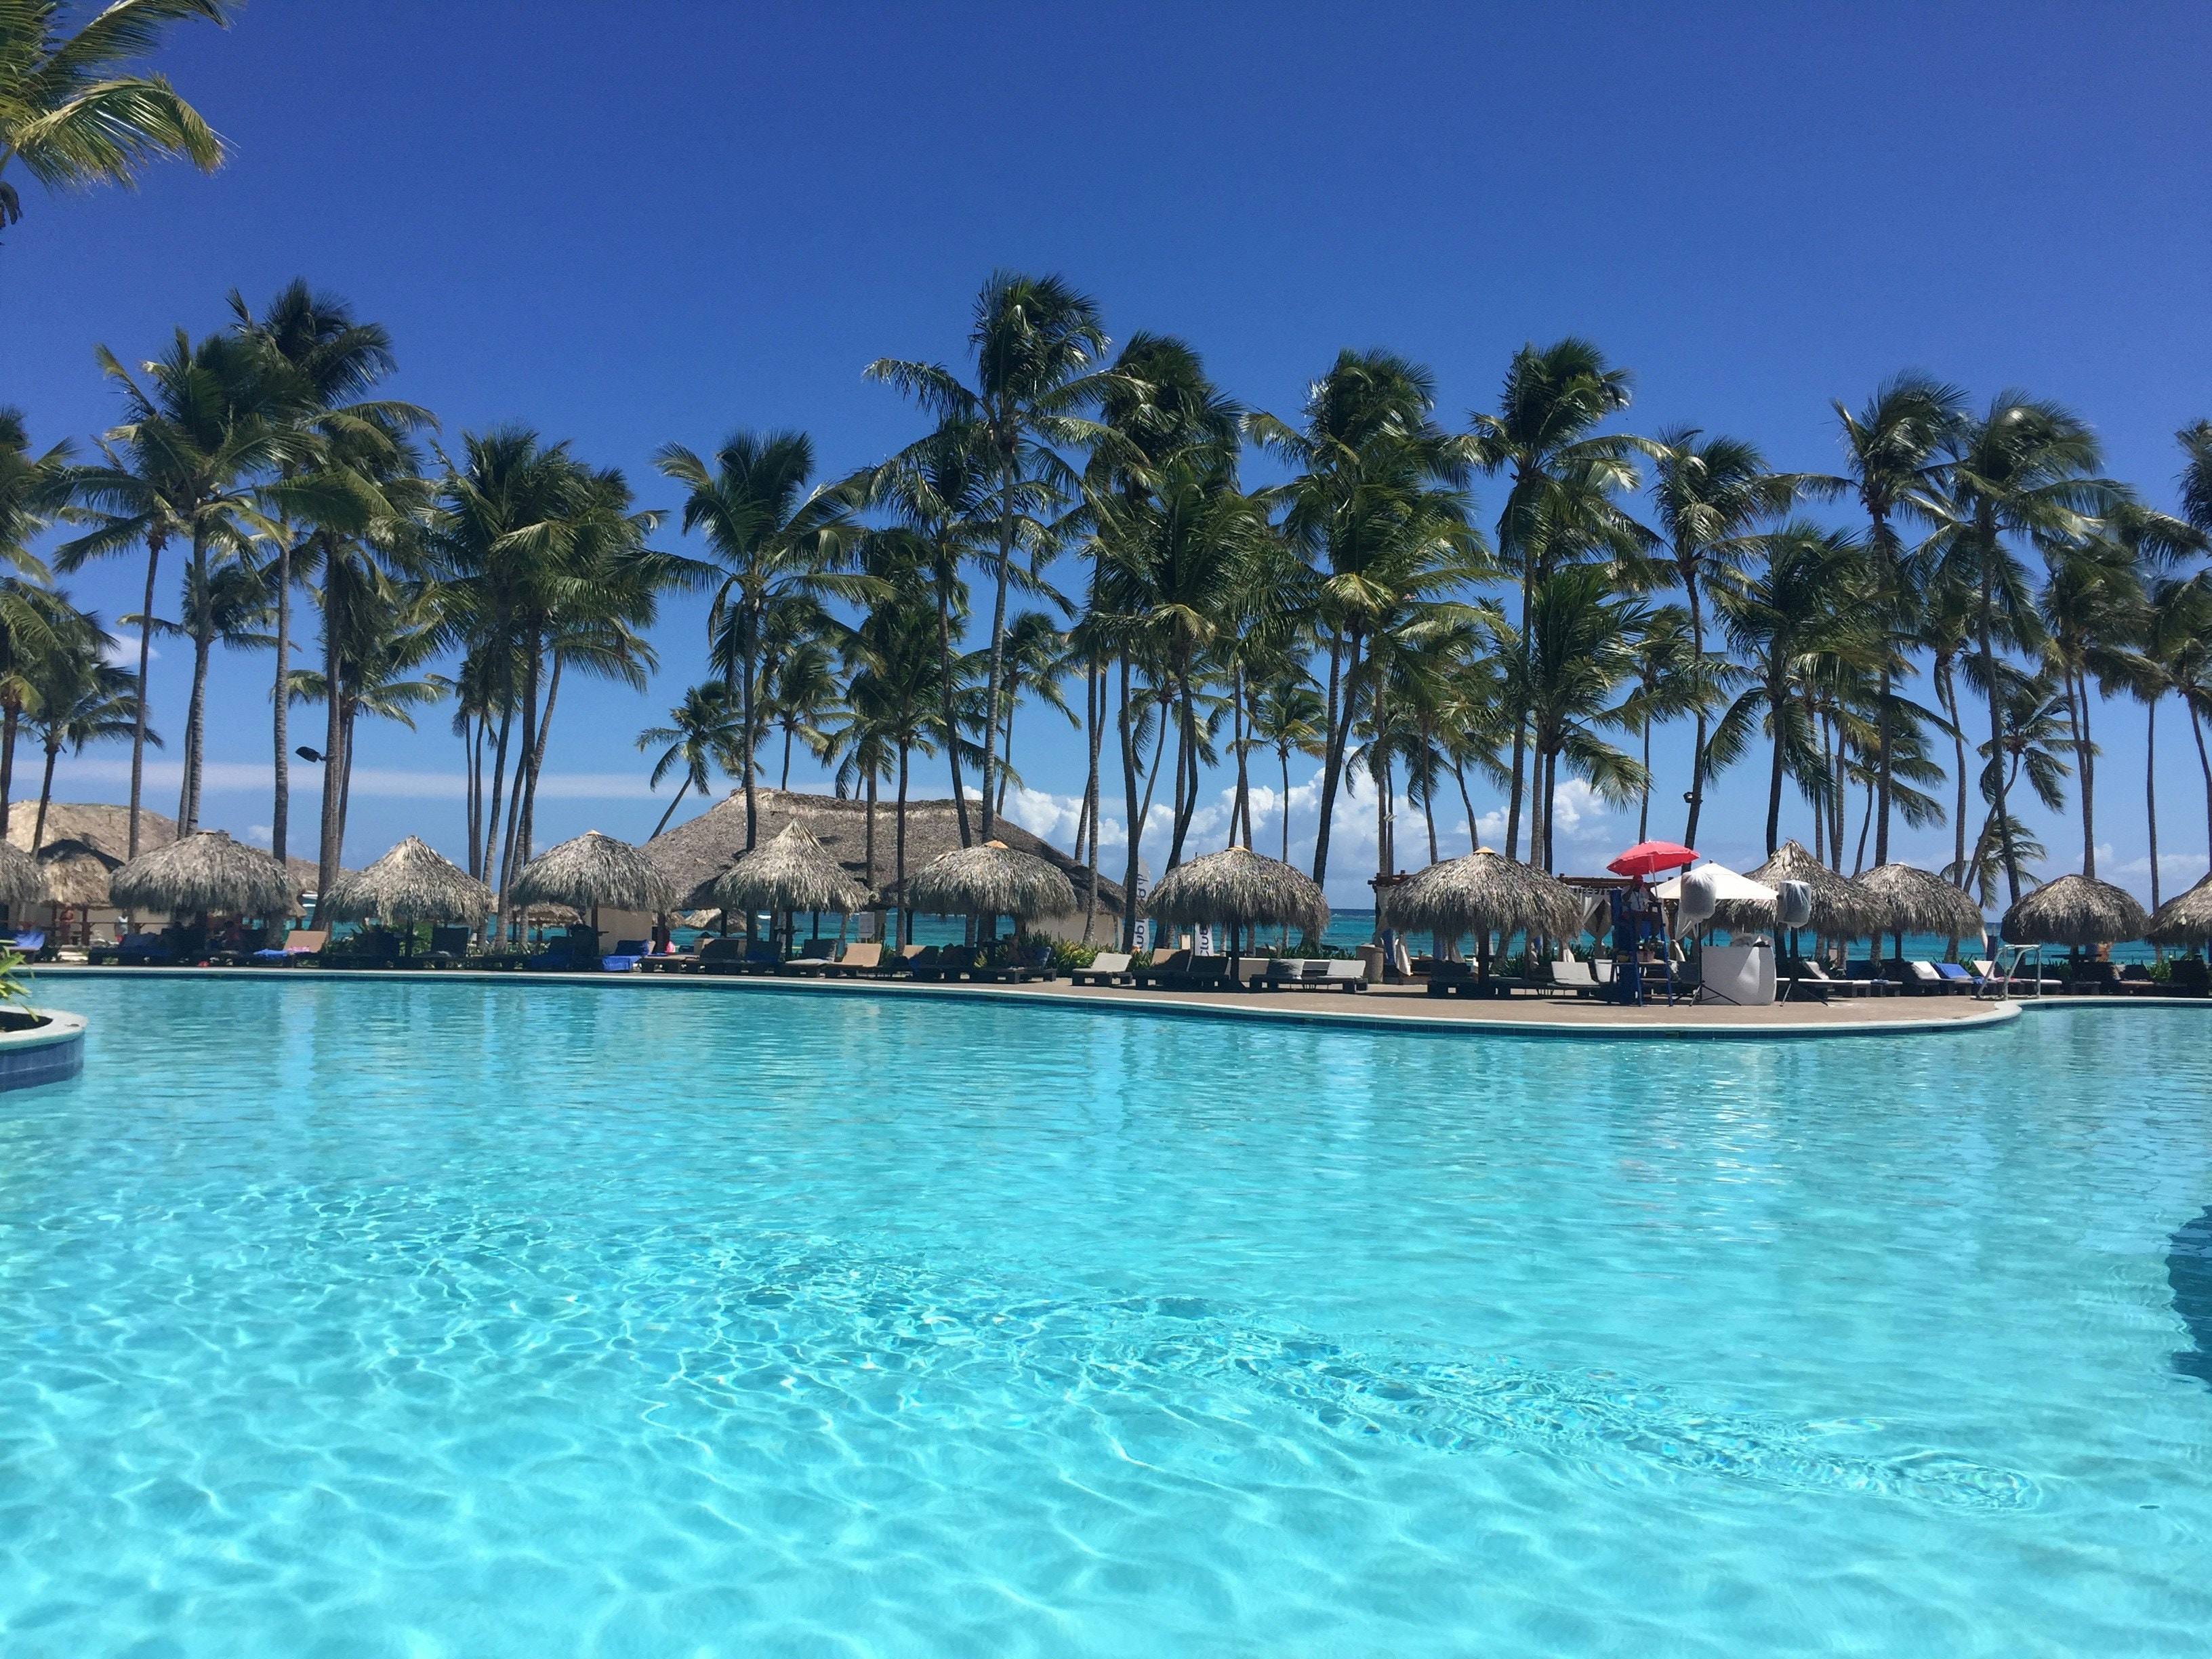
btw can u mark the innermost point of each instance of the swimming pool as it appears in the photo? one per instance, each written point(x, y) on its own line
point(447, 1318)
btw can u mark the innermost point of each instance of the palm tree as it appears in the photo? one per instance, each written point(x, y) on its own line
point(1708, 496)
point(702, 732)
point(227, 604)
point(1584, 651)
point(803, 692)
point(2025, 468)
point(1544, 435)
point(774, 541)
point(2039, 740)
point(32, 488)
point(78, 700)
point(1288, 716)
point(1037, 661)
point(895, 702)
point(2089, 609)
point(1893, 454)
point(1035, 340)
point(1674, 676)
point(2172, 642)
point(70, 118)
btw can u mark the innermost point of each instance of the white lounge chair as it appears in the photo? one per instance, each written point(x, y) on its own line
point(1572, 974)
point(1350, 976)
point(1106, 967)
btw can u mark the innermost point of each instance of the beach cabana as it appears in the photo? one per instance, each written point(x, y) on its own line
point(411, 882)
point(2186, 919)
point(1243, 888)
point(591, 871)
point(206, 874)
point(792, 872)
point(1909, 900)
point(988, 882)
point(2079, 912)
point(23, 879)
point(1840, 911)
point(1482, 894)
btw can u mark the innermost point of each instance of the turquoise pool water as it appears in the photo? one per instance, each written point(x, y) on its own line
point(440, 1319)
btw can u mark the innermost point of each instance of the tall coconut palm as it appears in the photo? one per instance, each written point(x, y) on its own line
point(2171, 645)
point(32, 488)
point(224, 604)
point(702, 732)
point(2024, 468)
point(1036, 341)
point(1675, 675)
point(1290, 717)
point(79, 699)
point(803, 694)
point(35, 624)
point(1037, 664)
point(1707, 497)
point(70, 115)
point(1544, 431)
point(772, 539)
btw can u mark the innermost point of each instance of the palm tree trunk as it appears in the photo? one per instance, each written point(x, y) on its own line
point(1129, 740)
point(1643, 814)
point(868, 837)
point(905, 910)
point(537, 758)
point(1284, 754)
point(7, 725)
point(496, 799)
point(1331, 765)
point(2009, 842)
point(345, 781)
point(1698, 738)
point(45, 795)
point(2150, 790)
point(2204, 765)
point(1778, 699)
point(1094, 710)
point(783, 783)
point(752, 735)
point(188, 819)
point(1473, 840)
point(327, 850)
point(280, 813)
point(1949, 692)
point(1241, 726)
point(1185, 766)
point(138, 720)
point(1858, 857)
point(2086, 753)
point(1885, 743)
point(999, 621)
point(686, 784)
point(951, 725)
point(1429, 813)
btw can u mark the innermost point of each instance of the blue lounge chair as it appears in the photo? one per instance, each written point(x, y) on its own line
point(143, 949)
point(30, 941)
point(624, 957)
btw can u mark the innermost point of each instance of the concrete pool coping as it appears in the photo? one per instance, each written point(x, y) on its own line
point(44, 1054)
point(1379, 1008)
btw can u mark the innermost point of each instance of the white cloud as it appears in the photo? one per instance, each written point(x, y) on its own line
point(124, 653)
point(261, 832)
point(239, 777)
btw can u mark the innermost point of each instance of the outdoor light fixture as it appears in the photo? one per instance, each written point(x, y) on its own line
point(307, 754)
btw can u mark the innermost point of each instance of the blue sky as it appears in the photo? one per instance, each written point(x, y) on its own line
point(628, 225)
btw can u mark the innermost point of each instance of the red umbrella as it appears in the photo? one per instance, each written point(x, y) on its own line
point(1647, 857)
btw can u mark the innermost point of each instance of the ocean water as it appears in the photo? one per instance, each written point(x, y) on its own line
point(438, 1318)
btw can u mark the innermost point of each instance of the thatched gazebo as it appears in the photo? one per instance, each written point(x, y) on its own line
point(988, 882)
point(591, 871)
point(1484, 893)
point(2077, 912)
point(2184, 919)
point(411, 882)
point(206, 874)
point(77, 873)
point(792, 872)
point(22, 878)
point(1840, 911)
point(1244, 889)
point(1909, 900)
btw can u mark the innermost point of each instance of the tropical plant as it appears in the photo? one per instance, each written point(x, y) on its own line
point(704, 732)
point(79, 699)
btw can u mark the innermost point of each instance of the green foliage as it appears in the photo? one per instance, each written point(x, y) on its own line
point(14, 979)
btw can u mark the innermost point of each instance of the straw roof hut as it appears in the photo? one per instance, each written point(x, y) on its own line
point(104, 828)
point(2074, 911)
point(411, 882)
point(1242, 888)
point(22, 878)
point(990, 880)
point(77, 873)
point(1485, 892)
point(696, 852)
point(1907, 899)
point(205, 874)
point(591, 871)
point(2184, 919)
point(792, 872)
point(1839, 909)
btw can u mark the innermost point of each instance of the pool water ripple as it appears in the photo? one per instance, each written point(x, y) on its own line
point(448, 1319)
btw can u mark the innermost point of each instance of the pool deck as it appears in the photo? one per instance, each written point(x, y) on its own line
point(1404, 1007)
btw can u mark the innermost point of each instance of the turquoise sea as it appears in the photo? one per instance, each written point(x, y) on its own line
point(342, 1317)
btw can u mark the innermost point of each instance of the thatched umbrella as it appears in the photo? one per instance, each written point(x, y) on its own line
point(22, 880)
point(1839, 909)
point(1483, 893)
point(2074, 911)
point(589, 871)
point(77, 873)
point(1908, 899)
point(2186, 919)
point(794, 871)
point(205, 874)
point(1244, 889)
point(987, 881)
point(411, 882)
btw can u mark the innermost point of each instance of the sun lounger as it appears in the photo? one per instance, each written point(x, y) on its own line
point(31, 942)
point(1804, 981)
point(624, 957)
point(1280, 972)
point(1571, 974)
point(669, 962)
point(1342, 974)
point(143, 951)
point(950, 962)
point(1454, 978)
point(1160, 968)
point(1106, 967)
point(300, 943)
point(860, 957)
point(722, 955)
point(1204, 973)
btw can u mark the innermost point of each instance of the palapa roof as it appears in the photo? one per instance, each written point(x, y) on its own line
point(78, 874)
point(104, 827)
point(1485, 892)
point(205, 873)
point(1242, 888)
point(791, 872)
point(22, 878)
point(696, 852)
point(594, 870)
point(991, 880)
point(1839, 909)
point(2074, 911)
point(1910, 900)
point(2184, 919)
point(411, 882)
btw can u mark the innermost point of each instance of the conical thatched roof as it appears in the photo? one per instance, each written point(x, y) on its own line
point(593, 869)
point(23, 879)
point(1908, 899)
point(411, 882)
point(1839, 909)
point(1242, 888)
point(105, 827)
point(990, 880)
point(1485, 892)
point(2184, 919)
point(697, 851)
point(77, 873)
point(792, 872)
point(207, 873)
point(2074, 911)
